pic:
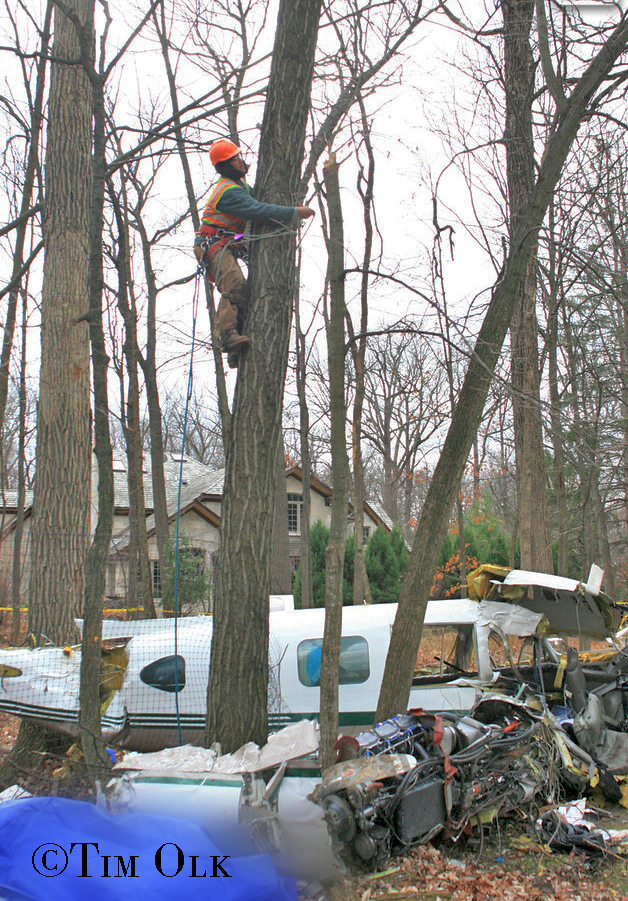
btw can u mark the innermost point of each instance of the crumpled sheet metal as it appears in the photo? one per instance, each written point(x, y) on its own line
point(513, 620)
point(362, 770)
point(291, 742)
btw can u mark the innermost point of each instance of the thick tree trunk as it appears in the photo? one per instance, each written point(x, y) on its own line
point(60, 522)
point(466, 418)
point(238, 672)
point(335, 552)
point(519, 71)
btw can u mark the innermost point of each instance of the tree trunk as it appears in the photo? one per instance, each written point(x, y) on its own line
point(94, 747)
point(238, 671)
point(361, 588)
point(519, 69)
point(149, 369)
point(280, 569)
point(307, 597)
point(140, 583)
point(60, 522)
point(335, 552)
point(462, 548)
point(61, 504)
point(467, 415)
point(562, 512)
point(16, 567)
point(602, 534)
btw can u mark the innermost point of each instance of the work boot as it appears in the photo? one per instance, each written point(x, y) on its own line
point(232, 342)
point(233, 359)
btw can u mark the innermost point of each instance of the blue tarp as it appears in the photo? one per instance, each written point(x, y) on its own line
point(38, 863)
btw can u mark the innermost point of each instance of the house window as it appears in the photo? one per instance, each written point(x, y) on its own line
point(353, 666)
point(366, 531)
point(156, 572)
point(165, 674)
point(295, 509)
point(194, 558)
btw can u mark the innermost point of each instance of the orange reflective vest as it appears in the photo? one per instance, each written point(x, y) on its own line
point(213, 219)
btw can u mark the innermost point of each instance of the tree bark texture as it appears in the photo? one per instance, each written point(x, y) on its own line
point(307, 597)
point(519, 70)
point(93, 745)
point(466, 418)
point(557, 436)
point(361, 588)
point(280, 569)
point(141, 594)
point(238, 673)
point(335, 551)
point(149, 369)
point(16, 563)
point(61, 506)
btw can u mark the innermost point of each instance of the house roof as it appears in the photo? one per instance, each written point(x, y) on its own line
point(199, 485)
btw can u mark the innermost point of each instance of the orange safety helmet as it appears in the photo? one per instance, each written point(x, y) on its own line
point(223, 149)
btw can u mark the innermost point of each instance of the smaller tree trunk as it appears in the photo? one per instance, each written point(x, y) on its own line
point(307, 597)
point(462, 546)
point(280, 569)
point(335, 552)
point(16, 568)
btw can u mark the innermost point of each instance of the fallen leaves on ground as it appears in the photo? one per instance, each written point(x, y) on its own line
point(8, 730)
point(427, 874)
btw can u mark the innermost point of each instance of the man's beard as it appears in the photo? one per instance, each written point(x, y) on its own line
point(231, 172)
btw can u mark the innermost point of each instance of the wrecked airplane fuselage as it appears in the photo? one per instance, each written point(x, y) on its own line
point(507, 640)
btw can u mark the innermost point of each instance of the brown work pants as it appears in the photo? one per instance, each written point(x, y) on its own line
point(230, 281)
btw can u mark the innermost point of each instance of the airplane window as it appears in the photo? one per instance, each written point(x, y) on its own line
point(160, 674)
point(353, 666)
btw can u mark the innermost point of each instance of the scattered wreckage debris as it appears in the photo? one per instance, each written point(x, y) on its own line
point(396, 786)
point(548, 722)
point(420, 774)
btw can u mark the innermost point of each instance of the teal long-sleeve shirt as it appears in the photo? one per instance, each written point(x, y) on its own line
point(239, 202)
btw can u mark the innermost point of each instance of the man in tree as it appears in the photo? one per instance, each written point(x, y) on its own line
point(219, 244)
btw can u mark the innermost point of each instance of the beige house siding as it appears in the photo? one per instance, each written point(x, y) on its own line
point(201, 494)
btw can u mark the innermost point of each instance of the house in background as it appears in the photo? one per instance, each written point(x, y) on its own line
point(200, 508)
